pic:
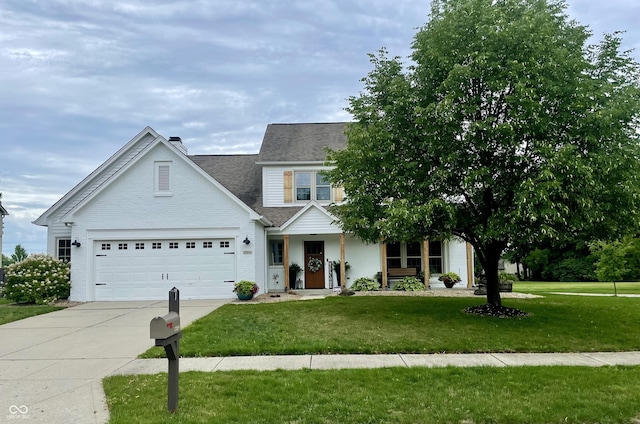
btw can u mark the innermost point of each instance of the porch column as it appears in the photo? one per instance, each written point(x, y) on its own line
point(286, 262)
point(469, 265)
point(343, 265)
point(425, 262)
point(384, 265)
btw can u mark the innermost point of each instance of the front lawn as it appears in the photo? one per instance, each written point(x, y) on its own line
point(413, 325)
point(584, 287)
point(391, 395)
point(10, 312)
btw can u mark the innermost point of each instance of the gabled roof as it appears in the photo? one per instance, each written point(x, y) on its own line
point(91, 182)
point(3, 211)
point(106, 173)
point(242, 174)
point(301, 142)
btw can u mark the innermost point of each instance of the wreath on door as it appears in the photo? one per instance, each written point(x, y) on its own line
point(314, 265)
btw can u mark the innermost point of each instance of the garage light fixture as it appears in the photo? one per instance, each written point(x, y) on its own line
point(246, 240)
point(76, 243)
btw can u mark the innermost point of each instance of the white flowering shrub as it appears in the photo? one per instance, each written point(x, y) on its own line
point(38, 279)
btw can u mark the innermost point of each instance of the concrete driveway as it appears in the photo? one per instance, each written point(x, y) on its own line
point(51, 366)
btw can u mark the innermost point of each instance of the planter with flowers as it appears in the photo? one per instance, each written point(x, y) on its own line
point(245, 289)
point(449, 279)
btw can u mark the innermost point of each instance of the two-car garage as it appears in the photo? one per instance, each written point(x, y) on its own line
point(148, 269)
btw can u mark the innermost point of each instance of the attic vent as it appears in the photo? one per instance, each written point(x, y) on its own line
point(163, 179)
point(177, 142)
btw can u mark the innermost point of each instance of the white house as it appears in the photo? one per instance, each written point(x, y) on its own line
point(152, 217)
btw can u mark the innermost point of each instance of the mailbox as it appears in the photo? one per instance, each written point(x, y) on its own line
point(165, 326)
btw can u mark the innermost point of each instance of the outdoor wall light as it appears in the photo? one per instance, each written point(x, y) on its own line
point(76, 243)
point(246, 240)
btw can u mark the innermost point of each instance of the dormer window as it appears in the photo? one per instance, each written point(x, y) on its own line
point(312, 185)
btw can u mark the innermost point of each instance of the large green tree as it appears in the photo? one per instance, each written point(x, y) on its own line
point(506, 127)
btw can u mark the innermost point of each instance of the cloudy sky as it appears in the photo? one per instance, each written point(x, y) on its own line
point(80, 78)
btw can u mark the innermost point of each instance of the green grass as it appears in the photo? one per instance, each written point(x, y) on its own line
point(550, 287)
point(10, 312)
point(413, 325)
point(392, 395)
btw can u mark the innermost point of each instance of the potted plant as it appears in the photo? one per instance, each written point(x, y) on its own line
point(336, 268)
point(449, 279)
point(505, 281)
point(294, 270)
point(245, 289)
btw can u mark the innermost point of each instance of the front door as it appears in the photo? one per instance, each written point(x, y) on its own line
point(314, 264)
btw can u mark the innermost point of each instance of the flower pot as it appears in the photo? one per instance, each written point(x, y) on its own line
point(242, 296)
point(449, 284)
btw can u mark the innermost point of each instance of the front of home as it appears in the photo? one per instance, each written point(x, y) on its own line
point(153, 217)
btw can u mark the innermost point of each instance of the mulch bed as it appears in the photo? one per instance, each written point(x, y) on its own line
point(496, 311)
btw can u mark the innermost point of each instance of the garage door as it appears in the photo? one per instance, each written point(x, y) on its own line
point(148, 269)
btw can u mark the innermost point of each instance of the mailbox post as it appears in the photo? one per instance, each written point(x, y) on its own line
point(167, 332)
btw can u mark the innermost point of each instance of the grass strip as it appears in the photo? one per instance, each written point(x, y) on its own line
point(10, 312)
point(413, 325)
point(391, 395)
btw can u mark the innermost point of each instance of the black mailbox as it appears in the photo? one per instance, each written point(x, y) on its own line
point(165, 326)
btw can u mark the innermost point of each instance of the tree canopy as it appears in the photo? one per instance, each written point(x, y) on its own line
point(505, 127)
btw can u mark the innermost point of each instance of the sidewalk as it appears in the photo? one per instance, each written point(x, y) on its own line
point(323, 362)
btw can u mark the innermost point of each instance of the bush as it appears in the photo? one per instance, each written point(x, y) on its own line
point(38, 279)
point(409, 284)
point(365, 284)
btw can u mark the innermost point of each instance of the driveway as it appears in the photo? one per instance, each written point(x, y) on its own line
point(52, 365)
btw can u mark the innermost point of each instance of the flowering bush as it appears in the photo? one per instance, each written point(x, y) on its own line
point(38, 279)
point(409, 284)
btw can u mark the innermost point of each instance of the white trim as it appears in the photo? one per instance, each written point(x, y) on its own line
point(301, 212)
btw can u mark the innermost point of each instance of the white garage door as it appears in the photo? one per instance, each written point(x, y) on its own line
point(148, 269)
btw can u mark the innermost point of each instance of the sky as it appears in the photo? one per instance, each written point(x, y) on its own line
point(80, 78)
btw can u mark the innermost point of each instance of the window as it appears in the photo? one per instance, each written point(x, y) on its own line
point(276, 250)
point(404, 255)
point(173, 245)
point(191, 245)
point(139, 246)
point(123, 246)
point(224, 244)
point(106, 246)
point(156, 245)
point(312, 185)
point(207, 244)
point(162, 180)
point(435, 257)
point(64, 250)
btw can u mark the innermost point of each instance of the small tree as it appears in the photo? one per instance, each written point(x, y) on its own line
point(19, 254)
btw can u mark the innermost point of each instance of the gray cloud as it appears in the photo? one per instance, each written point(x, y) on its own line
point(81, 77)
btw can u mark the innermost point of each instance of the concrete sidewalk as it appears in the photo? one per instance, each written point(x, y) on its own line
point(52, 365)
point(323, 362)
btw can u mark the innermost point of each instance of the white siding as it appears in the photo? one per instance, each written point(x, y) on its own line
point(273, 186)
point(128, 208)
point(313, 221)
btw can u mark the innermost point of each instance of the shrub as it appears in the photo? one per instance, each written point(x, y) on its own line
point(409, 284)
point(38, 279)
point(245, 287)
point(365, 284)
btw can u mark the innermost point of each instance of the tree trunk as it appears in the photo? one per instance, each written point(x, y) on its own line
point(489, 259)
